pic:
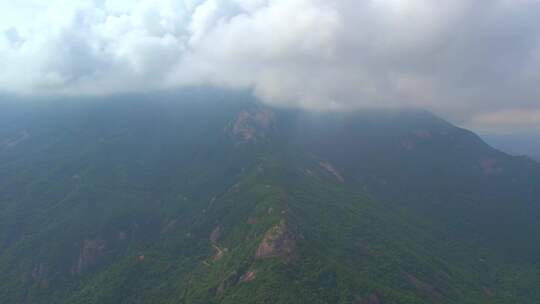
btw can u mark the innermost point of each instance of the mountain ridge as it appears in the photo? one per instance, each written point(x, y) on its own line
point(222, 200)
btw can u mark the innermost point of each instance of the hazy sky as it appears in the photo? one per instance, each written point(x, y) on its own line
point(474, 61)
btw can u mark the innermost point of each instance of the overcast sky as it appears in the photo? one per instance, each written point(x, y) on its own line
point(476, 62)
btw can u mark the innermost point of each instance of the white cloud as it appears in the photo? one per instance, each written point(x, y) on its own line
point(464, 58)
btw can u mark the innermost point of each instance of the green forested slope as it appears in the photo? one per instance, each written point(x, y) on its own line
point(223, 201)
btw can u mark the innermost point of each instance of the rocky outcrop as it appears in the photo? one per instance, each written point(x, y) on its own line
point(91, 251)
point(39, 275)
point(219, 253)
point(328, 167)
point(10, 143)
point(490, 166)
point(410, 142)
point(250, 125)
point(248, 277)
point(216, 233)
point(422, 133)
point(278, 241)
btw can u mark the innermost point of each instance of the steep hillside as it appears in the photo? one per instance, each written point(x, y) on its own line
point(212, 198)
point(442, 173)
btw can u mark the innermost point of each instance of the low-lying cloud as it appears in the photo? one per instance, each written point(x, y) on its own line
point(467, 59)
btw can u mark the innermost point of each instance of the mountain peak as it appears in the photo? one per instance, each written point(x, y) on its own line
point(170, 204)
point(254, 123)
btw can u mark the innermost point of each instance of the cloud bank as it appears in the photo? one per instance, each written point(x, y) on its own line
point(467, 59)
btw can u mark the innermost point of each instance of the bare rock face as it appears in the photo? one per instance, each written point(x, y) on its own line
point(250, 125)
point(411, 141)
point(216, 233)
point(328, 167)
point(422, 133)
point(247, 277)
point(12, 142)
point(91, 251)
point(39, 275)
point(219, 253)
point(490, 166)
point(278, 241)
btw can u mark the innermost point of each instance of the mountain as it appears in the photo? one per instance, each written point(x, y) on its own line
point(210, 197)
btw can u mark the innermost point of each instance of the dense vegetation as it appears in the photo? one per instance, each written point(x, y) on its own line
point(212, 198)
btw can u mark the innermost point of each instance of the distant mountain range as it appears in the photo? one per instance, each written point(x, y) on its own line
point(214, 198)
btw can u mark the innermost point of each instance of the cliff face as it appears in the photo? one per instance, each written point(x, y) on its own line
point(278, 241)
point(91, 251)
